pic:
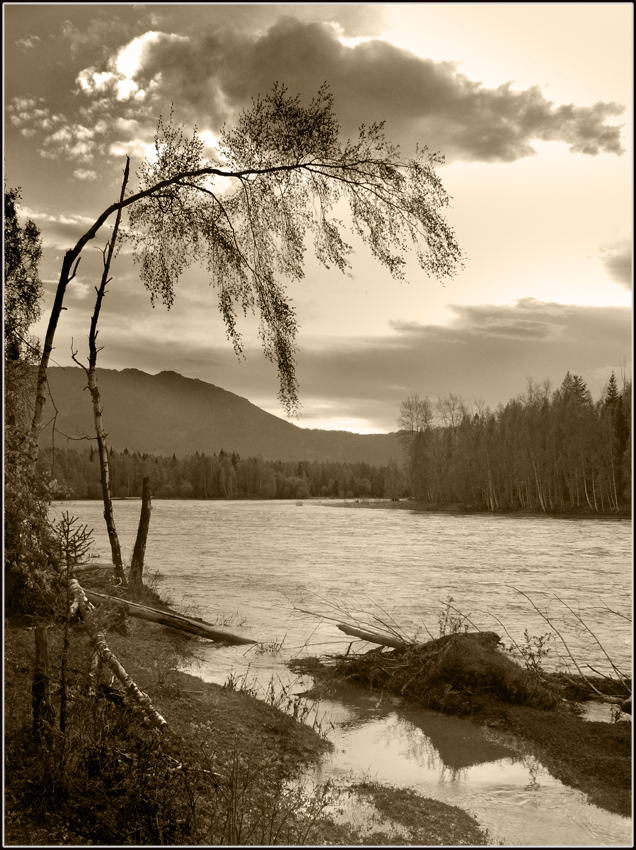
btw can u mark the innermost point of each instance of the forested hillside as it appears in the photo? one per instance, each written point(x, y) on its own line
point(168, 414)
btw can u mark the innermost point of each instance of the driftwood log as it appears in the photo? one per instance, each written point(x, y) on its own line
point(169, 618)
point(382, 639)
point(107, 657)
point(372, 637)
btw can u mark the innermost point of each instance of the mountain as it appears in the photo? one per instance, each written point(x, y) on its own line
point(170, 414)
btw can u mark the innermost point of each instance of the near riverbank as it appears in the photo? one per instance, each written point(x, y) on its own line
point(226, 773)
point(528, 710)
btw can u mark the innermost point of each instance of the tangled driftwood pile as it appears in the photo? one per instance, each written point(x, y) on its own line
point(454, 673)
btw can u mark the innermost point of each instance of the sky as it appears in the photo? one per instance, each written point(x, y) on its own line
point(529, 103)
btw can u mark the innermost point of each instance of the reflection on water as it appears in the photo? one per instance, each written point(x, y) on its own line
point(258, 559)
point(451, 759)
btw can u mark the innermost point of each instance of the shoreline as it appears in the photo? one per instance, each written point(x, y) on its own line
point(387, 504)
point(254, 747)
point(465, 510)
point(591, 756)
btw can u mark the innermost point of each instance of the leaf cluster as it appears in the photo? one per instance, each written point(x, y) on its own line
point(288, 175)
point(22, 284)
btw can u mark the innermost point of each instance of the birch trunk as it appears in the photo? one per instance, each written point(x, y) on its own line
point(106, 656)
point(171, 619)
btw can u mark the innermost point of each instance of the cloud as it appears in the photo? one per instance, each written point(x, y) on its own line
point(486, 352)
point(617, 259)
point(60, 138)
point(85, 174)
point(29, 42)
point(74, 142)
point(124, 68)
point(58, 231)
point(213, 72)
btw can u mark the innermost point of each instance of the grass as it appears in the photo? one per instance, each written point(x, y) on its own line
point(424, 820)
point(222, 776)
point(227, 774)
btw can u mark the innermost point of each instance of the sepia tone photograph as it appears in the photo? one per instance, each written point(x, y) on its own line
point(317, 325)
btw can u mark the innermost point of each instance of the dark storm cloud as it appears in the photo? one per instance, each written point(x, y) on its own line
point(617, 259)
point(212, 73)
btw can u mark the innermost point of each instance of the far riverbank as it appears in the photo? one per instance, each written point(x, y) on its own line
point(458, 509)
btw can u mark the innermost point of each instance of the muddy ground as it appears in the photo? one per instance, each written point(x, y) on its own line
point(225, 776)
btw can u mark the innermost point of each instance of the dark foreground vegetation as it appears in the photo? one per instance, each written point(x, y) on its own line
point(224, 774)
point(469, 674)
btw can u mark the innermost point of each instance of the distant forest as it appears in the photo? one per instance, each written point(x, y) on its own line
point(550, 452)
point(223, 475)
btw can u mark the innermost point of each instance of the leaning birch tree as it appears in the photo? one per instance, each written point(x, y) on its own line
point(288, 170)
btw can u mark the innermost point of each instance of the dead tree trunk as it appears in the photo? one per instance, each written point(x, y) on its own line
point(41, 698)
point(171, 619)
point(137, 563)
point(107, 657)
point(68, 272)
point(109, 515)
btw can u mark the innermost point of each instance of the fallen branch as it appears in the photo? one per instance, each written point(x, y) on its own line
point(105, 654)
point(171, 619)
point(393, 640)
point(604, 697)
point(619, 673)
point(372, 637)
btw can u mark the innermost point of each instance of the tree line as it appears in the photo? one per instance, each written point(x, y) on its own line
point(543, 451)
point(550, 452)
point(225, 475)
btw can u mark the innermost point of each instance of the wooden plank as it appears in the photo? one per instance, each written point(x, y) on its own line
point(170, 619)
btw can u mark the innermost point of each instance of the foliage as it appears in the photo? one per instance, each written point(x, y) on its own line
point(74, 540)
point(450, 620)
point(543, 452)
point(216, 476)
point(289, 171)
point(111, 780)
point(533, 651)
point(22, 284)
point(30, 575)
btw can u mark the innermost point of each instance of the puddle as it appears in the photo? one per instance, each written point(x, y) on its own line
point(488, 774)
point(455, 761)
point(600, 712)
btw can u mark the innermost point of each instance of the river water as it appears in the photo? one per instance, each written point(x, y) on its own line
point(251, 565)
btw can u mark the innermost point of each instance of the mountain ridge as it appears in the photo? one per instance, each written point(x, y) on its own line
point(169, 413)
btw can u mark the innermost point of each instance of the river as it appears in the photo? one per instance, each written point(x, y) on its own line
point(250, 565)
